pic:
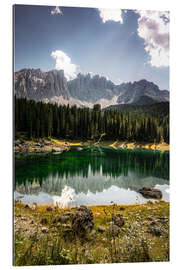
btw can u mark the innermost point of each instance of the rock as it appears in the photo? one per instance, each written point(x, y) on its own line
point(114, 230)
point(54, 221)
point(154, 231)
point(150, 202)
point(24, 218)
point(33, 206)
point(153, 223)
point(56, 149)
point(70, 214)
point(163, 219)
point(67, 231)
point(37, 144)
point(79, 148)
point(148, 192)
point(48, 143)
point(118, 220)
point(66, 226)
point(17, 142)
point(150, 218)
point(82, 220)
point(101, 229)
point(44, 230)
point(49, 208)
point(93, 233)
point(63, 219)
point(44, 221)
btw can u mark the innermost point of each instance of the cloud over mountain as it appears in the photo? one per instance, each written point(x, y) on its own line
point(63, 62)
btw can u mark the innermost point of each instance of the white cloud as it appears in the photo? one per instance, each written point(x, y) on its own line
point(63, 61)
point(153, 27)
point(56, 10)
point(110, 15)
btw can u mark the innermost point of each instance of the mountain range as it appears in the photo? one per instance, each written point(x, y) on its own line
point(84, 90)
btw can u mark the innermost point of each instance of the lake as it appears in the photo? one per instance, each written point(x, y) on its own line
point(92, 176)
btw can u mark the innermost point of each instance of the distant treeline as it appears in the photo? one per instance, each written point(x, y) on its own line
point(39, 120)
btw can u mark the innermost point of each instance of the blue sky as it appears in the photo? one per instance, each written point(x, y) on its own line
point(123, 45)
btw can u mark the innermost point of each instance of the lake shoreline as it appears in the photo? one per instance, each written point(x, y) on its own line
point(47, 145)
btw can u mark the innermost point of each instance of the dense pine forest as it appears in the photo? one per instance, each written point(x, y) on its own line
point(132, 123)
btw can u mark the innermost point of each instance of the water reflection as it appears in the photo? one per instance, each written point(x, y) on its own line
point(95, 177)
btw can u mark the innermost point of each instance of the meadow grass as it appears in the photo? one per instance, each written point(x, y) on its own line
point(138, 240)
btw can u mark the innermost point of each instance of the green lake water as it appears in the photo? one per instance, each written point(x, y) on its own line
point(91, 176)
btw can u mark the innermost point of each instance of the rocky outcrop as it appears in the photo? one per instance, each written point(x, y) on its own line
point(52, 86)
point(148, 192)
point(82, 221)
point(141, 92)
point(38, 85)
point(91, 89)
point(118, 220)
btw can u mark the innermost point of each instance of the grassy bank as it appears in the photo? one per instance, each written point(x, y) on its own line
point(40, 240)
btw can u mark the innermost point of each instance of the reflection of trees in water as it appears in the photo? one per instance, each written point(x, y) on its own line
point(85, 170)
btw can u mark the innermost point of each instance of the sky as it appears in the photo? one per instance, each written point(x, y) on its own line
point(122, 45)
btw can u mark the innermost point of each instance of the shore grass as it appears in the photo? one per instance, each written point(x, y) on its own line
point(144, 236)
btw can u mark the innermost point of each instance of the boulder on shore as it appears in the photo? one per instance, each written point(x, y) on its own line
point(56, 149)
point(148, 192)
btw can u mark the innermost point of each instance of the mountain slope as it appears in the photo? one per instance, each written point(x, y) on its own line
point(84, 90)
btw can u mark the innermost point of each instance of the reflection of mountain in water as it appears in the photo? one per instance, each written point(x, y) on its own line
point(93, 171)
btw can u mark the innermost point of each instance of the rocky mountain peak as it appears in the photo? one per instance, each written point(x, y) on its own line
point(84, 89)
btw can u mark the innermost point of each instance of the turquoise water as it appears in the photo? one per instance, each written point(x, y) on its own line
point(92, 176)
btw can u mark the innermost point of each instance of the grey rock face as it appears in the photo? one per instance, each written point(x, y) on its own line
point(91, 89)
point(142, 92)
point(38, 85)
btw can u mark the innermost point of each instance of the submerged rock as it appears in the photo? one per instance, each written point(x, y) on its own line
point(148, 192)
